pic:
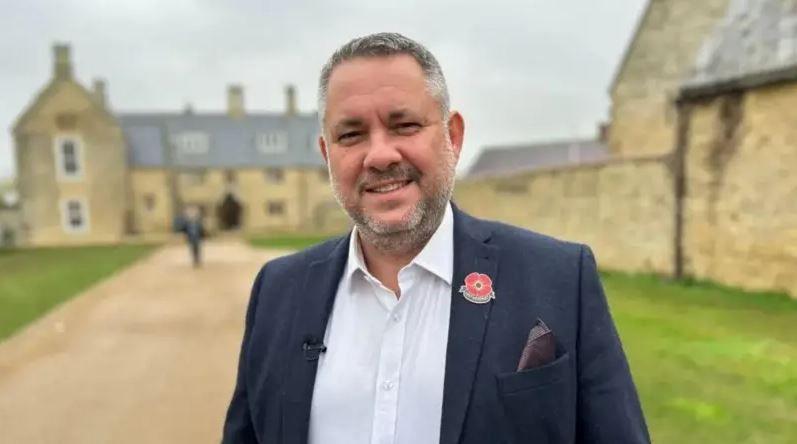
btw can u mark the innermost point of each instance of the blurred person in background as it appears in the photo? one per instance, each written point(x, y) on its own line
point(194, 233)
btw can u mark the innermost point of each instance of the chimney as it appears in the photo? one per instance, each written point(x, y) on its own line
point(290, 100)
point(98, 91)
point(235, 101)
point(62, 66)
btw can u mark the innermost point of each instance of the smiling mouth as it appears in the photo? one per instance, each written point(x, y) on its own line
point(388, 187)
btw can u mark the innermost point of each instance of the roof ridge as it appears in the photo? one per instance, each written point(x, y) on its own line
point(541, 143)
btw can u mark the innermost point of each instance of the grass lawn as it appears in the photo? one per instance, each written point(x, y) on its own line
point(713, 365)
point(288, 241)
point(35, 280)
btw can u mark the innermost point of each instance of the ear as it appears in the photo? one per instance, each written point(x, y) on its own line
point(456, 131)
point(322, 145)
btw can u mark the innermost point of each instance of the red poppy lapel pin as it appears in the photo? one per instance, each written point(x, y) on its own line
point(478, 288)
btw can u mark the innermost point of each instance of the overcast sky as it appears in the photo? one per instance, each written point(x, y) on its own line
point(520, 71)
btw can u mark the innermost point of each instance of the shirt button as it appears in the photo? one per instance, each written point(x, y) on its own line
point(396, 317)
point(387, 385)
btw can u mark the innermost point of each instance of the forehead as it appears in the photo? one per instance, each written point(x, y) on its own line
point(381, 81)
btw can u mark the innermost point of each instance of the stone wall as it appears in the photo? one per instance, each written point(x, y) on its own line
point(740, 208)
point(623, 209)
point(665, 46)
point(152, 201)
point(305, 194)
point(735, 224)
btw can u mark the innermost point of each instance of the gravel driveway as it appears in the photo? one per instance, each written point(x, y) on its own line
point(147, 356)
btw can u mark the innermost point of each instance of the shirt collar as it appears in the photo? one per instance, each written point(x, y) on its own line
point(437, 256)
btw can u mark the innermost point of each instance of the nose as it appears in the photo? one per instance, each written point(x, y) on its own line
point(383, 152)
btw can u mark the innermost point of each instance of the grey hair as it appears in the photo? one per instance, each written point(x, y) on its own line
point(386, 44)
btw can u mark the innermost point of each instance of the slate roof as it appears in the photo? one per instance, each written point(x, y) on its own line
point(755, 44)
point(232, 141)
point(509, 159)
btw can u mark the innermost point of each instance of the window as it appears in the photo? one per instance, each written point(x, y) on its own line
point(274, 175)
point(192, 178)
point(272, 142)
point(275, 207)
point(74, 215)
point(69, 153)
point(149, 202)
point(192, 142)
point(69, 157)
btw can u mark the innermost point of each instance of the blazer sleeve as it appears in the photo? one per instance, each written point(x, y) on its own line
point(609, 411)
point(238, 428)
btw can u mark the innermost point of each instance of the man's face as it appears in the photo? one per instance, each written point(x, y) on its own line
point(391, 156)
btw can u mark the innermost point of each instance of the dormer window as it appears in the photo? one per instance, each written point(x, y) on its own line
point(192, 142)
point(272, 142)
point(69, 157)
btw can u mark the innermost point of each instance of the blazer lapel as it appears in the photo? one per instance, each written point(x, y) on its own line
point(313, 307)
point(467, 325)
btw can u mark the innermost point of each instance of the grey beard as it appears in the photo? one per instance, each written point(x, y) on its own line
point(412, 235)
point(416, 231)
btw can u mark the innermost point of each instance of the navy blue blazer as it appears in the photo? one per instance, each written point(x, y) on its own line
point(585, 396)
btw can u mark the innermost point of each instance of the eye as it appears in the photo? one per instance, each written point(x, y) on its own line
point(349, 137)
point(407, 128)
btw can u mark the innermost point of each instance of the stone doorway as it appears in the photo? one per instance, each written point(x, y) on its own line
point(229, 213)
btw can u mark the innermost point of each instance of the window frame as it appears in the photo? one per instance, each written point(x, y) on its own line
point(278, 172)
point(150, 202)
point(60, 166)
point(66, 225)
point(186, 142)
point(265, 145)
point(281, 206)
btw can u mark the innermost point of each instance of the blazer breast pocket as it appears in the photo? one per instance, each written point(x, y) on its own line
point(537, 402)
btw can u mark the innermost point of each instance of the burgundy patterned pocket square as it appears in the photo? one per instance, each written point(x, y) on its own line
point(540, 348)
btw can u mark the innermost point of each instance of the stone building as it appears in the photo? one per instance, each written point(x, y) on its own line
point(703, 134)
point(736, 140)
point(88, 174)
point(664, 47)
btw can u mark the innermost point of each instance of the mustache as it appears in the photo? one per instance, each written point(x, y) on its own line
point(395, 172)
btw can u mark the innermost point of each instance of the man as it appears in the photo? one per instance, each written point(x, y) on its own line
point(194, 232)
point(423, 325)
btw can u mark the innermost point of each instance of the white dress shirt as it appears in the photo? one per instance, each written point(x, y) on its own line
point(381, 378)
